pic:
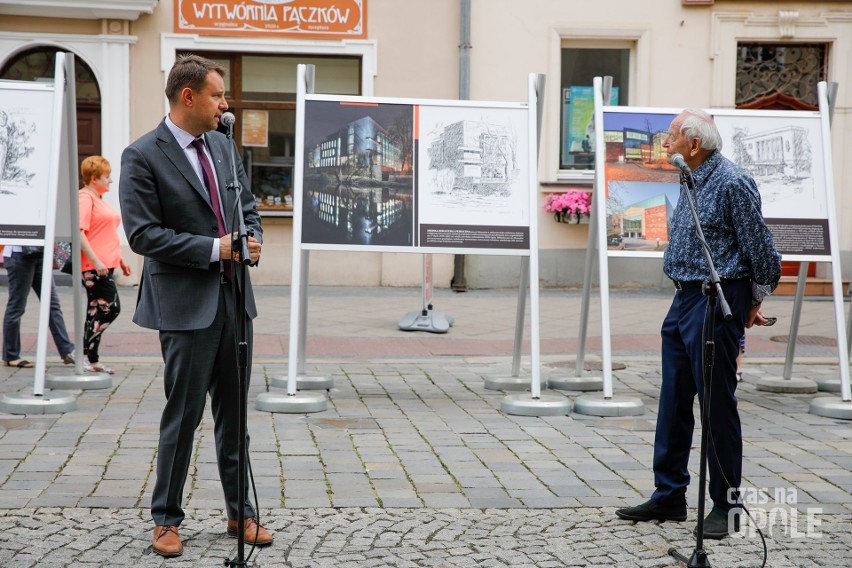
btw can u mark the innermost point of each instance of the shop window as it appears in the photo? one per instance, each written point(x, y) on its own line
point(779, 75)
point(261, 92)
point(580, 65)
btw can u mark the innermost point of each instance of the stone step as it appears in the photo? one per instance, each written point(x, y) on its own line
point(813, 286)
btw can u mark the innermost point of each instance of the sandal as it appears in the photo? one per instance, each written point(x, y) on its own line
point(19, 363)
point(97, 368)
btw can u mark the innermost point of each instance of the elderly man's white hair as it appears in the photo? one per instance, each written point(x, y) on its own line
point(699, 124)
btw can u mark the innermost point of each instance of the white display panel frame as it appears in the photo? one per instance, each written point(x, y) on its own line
point(782, 150)
point(474, 214)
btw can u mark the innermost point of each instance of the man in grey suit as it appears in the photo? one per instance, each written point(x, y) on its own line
point(179, 216)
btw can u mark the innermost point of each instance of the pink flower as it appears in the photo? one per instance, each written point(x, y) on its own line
point(569, 202)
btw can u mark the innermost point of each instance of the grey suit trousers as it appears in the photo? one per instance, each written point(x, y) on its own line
point(199, 362)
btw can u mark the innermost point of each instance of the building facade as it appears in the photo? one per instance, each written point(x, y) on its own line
point(660, 53)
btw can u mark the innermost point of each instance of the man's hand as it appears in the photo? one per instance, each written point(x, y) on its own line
point(225, 249)
point(755, 317)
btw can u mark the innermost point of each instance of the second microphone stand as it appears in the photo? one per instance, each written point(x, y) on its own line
point(712, 288)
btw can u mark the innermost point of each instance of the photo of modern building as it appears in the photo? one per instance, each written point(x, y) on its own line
point(358, 183)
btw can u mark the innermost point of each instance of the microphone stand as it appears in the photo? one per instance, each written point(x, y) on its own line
point(712, 288)
point(239, 241)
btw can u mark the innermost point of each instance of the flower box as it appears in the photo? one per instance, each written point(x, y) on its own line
point(571, 207)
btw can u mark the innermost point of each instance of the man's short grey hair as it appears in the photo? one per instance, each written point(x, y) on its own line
point(699, 124)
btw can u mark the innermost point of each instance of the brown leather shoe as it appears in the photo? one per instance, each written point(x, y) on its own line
point(254, 533)
point(167, 541)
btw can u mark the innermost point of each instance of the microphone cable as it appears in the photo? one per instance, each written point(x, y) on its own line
point(712, 443)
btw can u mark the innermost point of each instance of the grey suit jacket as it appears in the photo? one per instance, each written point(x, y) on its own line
point(168, 219)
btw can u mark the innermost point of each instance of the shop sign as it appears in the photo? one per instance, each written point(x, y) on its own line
point(335, 19)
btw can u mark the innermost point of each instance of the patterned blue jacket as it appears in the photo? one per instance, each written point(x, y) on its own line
point(729, 210)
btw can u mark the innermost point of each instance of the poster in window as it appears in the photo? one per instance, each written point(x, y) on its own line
point(256, 128)
point(578, 110)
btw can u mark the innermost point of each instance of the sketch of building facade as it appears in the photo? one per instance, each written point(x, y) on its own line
point(363, 144)
point(474, 153)
point(785, 151)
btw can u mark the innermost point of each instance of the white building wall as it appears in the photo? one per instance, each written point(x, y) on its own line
point(680, 56)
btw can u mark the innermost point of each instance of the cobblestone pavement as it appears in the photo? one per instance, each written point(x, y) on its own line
point(413, 464)
point(440, 538)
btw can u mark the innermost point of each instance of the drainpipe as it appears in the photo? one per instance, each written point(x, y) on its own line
point(458, 283)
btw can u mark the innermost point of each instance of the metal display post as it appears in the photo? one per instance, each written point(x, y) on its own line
point(534, 403)
point(579, 382)
point(294, 402)
point(515, 382)
point(304, 381)
point(426, 318)
point(831, 407)
point(606, 404)
point(79, 379)
point(786, 383)
point(54, 402)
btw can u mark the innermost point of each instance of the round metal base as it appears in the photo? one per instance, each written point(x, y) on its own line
point(597, 405)
point(304, 382)
point(525, 405)
point(828, 385)
point(780, 384)
point(830, 407)
point(89, 381)
point(508, 383)
point(431, 320)
point(575, 383)
point(299, 403)
point(55, 402)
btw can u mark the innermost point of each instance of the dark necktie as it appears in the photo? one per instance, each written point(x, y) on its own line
point(212, 190)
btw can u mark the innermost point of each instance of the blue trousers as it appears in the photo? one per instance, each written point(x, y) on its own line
point(25, 273)
point(682, 371)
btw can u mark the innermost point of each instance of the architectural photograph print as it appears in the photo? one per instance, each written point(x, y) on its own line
point(358, 174)
point(642, 187)
point(473, 177)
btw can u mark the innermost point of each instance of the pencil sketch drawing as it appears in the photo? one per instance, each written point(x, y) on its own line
point(15, 147)
point(779, 160)
point(473, 161)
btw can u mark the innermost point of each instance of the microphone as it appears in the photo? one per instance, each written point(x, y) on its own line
point(675, 160)
point(228, 120)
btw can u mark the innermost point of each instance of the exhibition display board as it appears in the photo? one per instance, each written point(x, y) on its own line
point(38, 177)
point(419, 176)
point(788, 153)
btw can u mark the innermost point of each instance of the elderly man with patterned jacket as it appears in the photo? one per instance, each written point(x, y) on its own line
point(749, 266)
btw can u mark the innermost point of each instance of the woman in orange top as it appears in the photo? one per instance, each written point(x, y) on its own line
point(101, 256)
